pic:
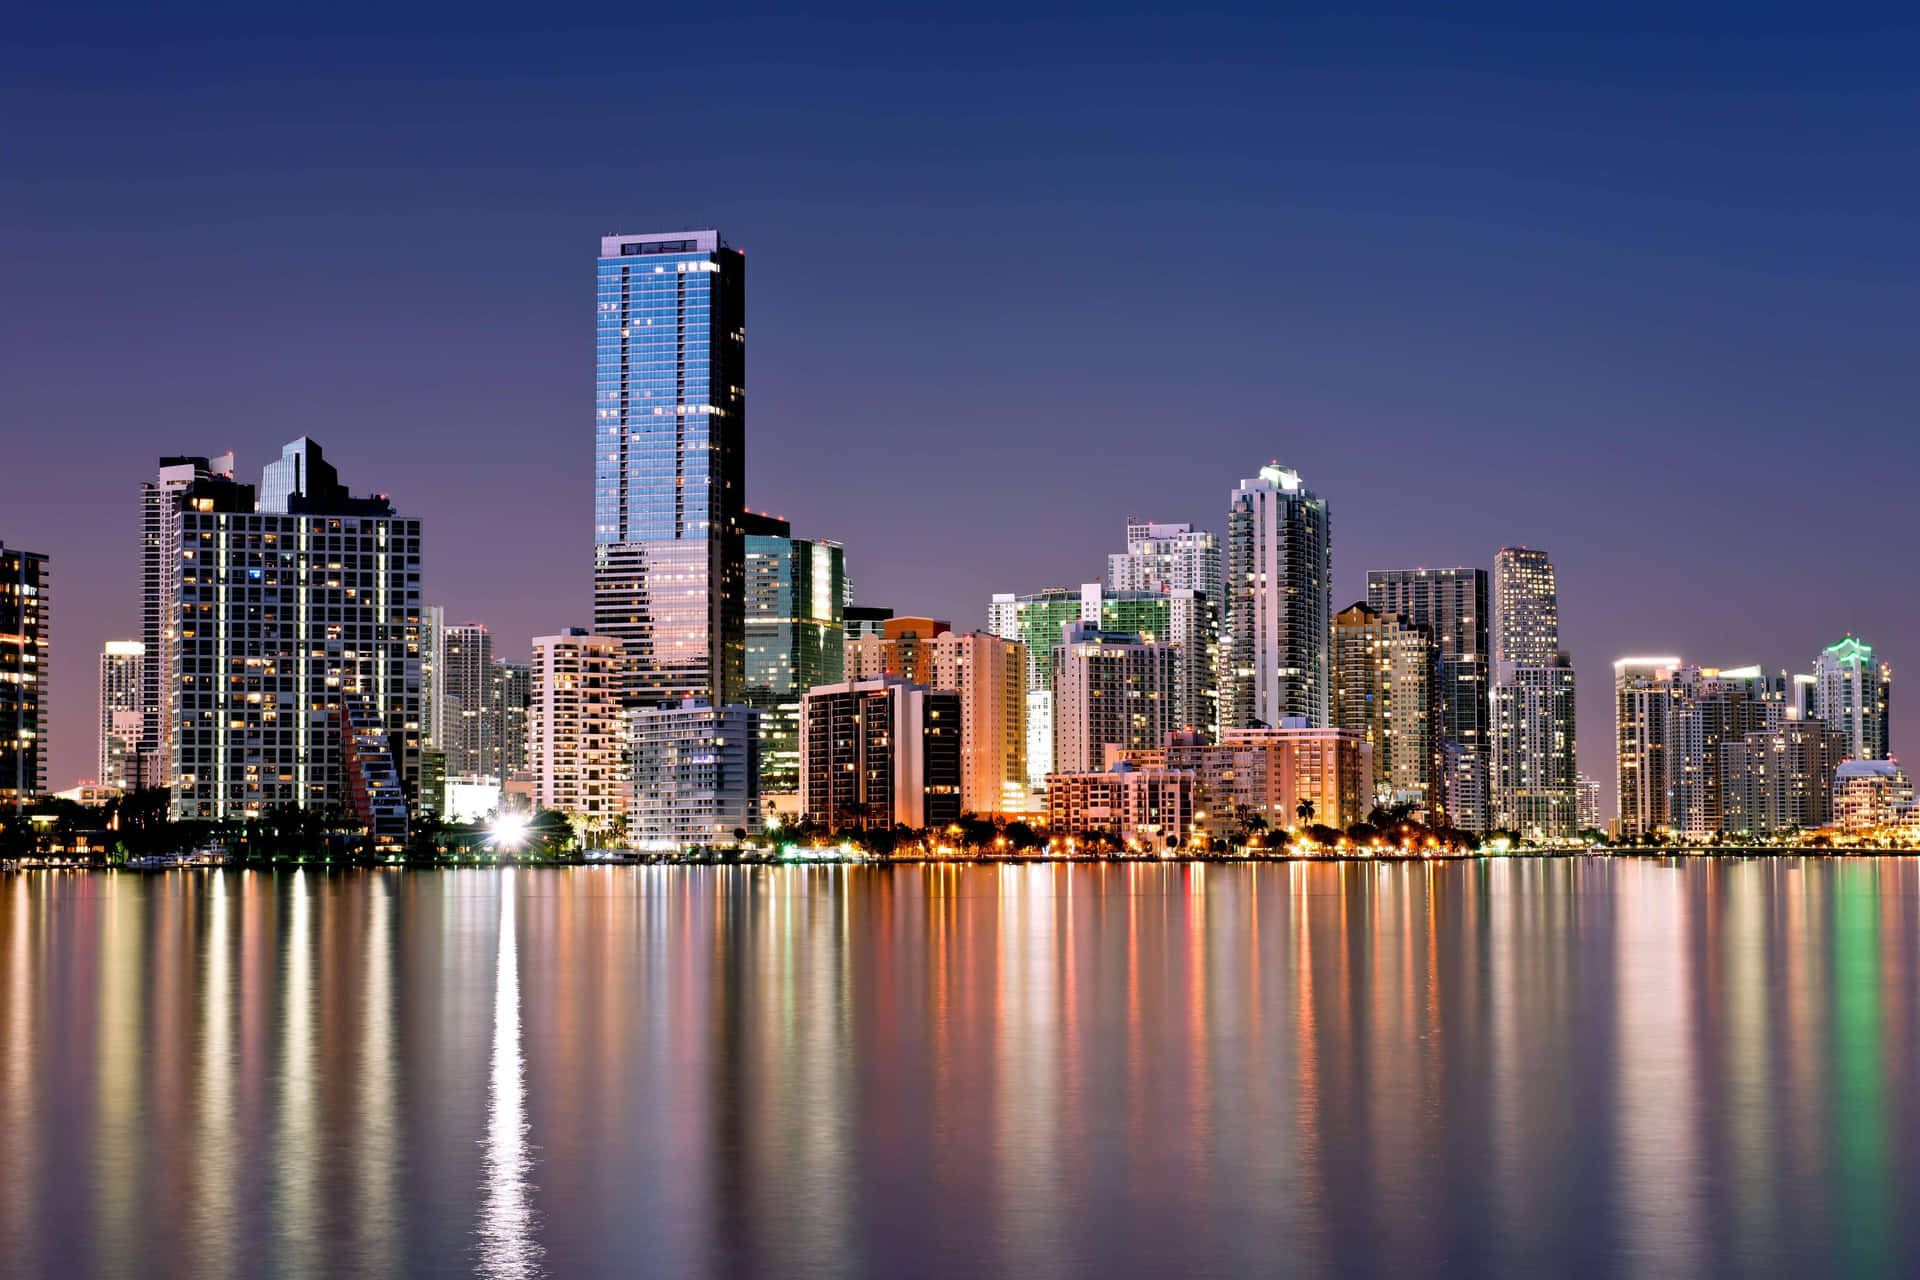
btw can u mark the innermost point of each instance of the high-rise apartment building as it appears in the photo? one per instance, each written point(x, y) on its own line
point(1110, 690)
point(159, 563)
point(292, 645)
point(1168, 557)
point(669, 467)
point(1038, 621)
point(1383, 693)
point(1587, 797)
point(465, 680)
point(990, 675)
point(880, 752)
point(1850, 693)
point(25, 632)
point(577, 730)
point(122, 685)
point(1182, 617)
point(1278, 618)
point(1780, 778)
point(1452, 604)
point(433, 720)
point(903, 648)
point(509, 701)
point(796, 637)
point(696, 775)
point(1534, 787)
point(1641, 700)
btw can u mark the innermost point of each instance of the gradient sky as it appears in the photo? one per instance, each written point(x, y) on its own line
point(1633, 285)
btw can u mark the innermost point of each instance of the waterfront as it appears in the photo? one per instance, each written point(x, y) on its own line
point(1592, 1066)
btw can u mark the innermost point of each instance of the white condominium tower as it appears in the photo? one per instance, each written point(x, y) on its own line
point(577, 730)
point(1279, 604)
point(1535, 782)
point(1167, 557)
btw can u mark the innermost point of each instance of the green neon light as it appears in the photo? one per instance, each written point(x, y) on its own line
point(1852, 650)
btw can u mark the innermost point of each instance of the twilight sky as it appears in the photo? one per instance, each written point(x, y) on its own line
point(1633, 285)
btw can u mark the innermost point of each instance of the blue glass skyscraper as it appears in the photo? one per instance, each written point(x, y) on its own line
point(669, 466)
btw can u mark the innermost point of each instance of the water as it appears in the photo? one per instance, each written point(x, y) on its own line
point(1592, 1067)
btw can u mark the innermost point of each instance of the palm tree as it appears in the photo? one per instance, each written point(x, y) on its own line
point(1304, 811)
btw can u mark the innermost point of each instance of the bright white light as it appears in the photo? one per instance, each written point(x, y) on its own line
point(509, 831)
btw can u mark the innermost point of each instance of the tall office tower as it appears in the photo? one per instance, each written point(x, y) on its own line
point(118, 766)
point(1383, 693)
point(159, 561)
point(1182, 617)
point(509, 700)
point(904, 648)
point(865, 619)
point(1781, 778)
point(879, 753)
point(1534, 782)
point(1278, 619)
point(292, 646)
point(1167, 557)
point(1037, 621)
point(433, 722)
point(990, 675)
point(465, 681)
point(577, 730)
point(1850, 693)
point(796, 633)
point(1110, 690)
point(1534, 785)
point(1642, 695)
point(25, 628)
point(1588, 792)
point(669, 464)
point(696, 775)
point(1526, 609)
point(1452, 605)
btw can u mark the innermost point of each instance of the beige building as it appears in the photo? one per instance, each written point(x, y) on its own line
point(1149, 807)
point(577, 729)
point(1269, 774)
point(1383, 692)
point(990, 675)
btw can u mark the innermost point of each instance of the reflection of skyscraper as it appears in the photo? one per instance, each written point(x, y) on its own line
point(669, 418)
point(1279, 604)
point(1452, 605)
point(122, 673)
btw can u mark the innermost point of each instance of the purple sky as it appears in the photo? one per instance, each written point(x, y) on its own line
point(1637, 289)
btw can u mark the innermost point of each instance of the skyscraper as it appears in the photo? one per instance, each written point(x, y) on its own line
point(465, 680)
point(795, 637)
point(696, 776)
point(159, 560)
point(292, 645)
point(433, 721)
point(1167, 557)
point(879, 753)
point(24, 633)
point(1641, 698)
point(1037, 621)
point(577, 730)
point(1452, 605)
point(122, 671)
point(989, 673)
point(1850, 693)
point(669, 467)
point(1535, 781)
point(1279, 604)
point(1110, 690)
point(1180, 616)
point(509, 700)
point(1383, 693)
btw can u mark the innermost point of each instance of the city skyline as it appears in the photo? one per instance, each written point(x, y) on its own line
point(1450, 347)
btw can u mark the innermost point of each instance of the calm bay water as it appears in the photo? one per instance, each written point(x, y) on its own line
point(1591, 1067)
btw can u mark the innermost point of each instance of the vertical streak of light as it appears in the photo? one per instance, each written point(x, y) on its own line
point(297, 1144)
point(19, 1156)
point(507, 1247)
point(215, 1176)
point(376, 1146)
point(118, 1134)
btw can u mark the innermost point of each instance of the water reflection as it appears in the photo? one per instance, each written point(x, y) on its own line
point(1586, 1067)
point(507, 1247)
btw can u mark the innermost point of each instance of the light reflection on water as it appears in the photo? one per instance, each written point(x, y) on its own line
point(1590, 1067)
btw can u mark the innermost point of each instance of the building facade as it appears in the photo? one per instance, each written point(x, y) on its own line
point(903, 648)
point(1533, 770)
point(1038, 621)
point(1452, 604)
point(669, 467)
point(1287, 777)
point(292, 638)
point(1384, 692)
point(25, 636)
point(1182, 617)
point(464, 679)
point(1150, 809)
point(1850, 692)
point(577, 729)
point(795, 637)
point(990, 675)
point(118, 762)
point(878, 753)
point(1110, 690)
point(1168, 557)
point(696, 775)
point(1779, 779)
point(1870, 794)
point(1278, 618)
